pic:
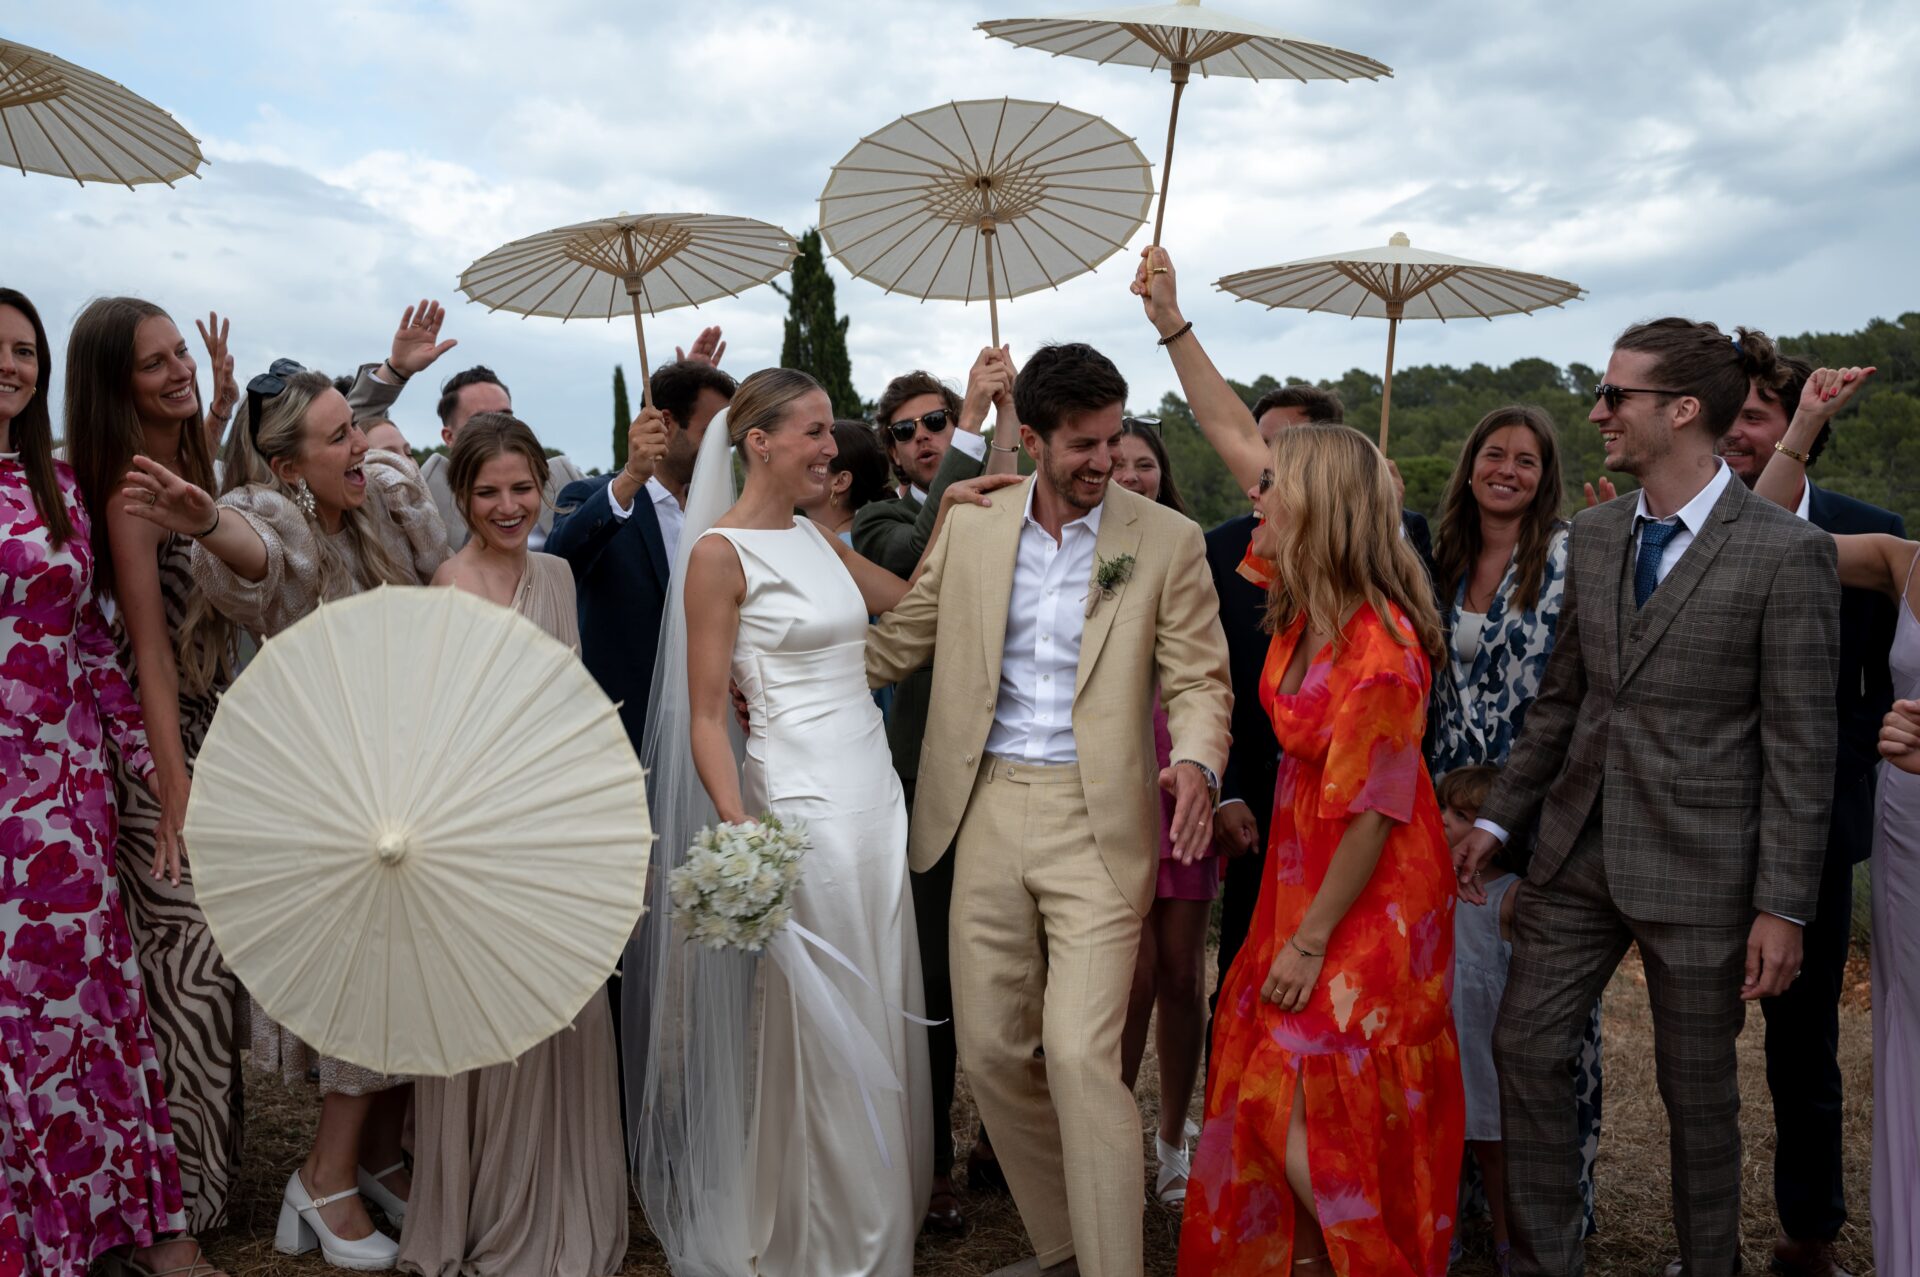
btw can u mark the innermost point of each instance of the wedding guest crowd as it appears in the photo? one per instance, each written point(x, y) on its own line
point(1466, 774)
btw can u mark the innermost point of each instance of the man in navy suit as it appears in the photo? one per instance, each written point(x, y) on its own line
point(620, 532)
point(1803, 1024)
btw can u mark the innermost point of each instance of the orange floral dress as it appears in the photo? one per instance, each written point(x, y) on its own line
point(1374, 1048)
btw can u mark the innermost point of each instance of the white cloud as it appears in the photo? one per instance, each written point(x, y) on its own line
point(1756, 167)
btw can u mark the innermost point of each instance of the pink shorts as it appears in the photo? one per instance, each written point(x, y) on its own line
point(1197, 881)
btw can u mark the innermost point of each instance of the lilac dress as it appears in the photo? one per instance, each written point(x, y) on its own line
point(1896, 984)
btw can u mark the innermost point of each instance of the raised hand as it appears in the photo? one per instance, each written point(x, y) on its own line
point(707, 348)
point(226, 390)
point(158, 495)
point(646, 444)
point(1003, 408)
point(1828, 390)
point(1155, 284)
point(1606, 491)
point(987, 381)
point(416, 343)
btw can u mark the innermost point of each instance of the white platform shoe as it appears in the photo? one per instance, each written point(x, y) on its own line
point(302, 1230)
point(374, 1191)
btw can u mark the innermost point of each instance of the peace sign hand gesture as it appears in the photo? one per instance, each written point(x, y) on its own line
point(226, 390)
point(416, 343)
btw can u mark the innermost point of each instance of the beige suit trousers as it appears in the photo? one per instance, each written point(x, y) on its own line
point(1043, 945)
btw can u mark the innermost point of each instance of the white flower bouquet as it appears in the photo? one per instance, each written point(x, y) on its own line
point(735, 890)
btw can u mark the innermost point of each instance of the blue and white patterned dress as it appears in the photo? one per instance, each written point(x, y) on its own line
point(1477, 716)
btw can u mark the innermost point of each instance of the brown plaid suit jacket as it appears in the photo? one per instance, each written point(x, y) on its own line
point(1697, 730)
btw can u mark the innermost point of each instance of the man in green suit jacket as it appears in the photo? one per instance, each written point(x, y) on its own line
point(933, 438)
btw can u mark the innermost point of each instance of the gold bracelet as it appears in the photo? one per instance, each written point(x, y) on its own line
point(1801, 457)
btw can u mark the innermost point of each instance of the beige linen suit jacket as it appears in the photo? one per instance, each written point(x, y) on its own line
point(1160, 627)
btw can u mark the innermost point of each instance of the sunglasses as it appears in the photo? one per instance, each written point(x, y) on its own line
point(1614, 394)
point(935, 421)
point(268, 385)
point(1266, 483)
point(1144, 423)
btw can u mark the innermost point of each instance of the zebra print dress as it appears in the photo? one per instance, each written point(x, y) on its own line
point(195, 1004)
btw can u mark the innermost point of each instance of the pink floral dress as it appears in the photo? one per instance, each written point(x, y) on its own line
point(86, 1145)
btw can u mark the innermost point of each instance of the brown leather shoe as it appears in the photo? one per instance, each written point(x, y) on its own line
point(943, 1210)
point(1805, 1259)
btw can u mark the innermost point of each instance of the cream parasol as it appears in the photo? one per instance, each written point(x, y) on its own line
point(984, 200)
point(65, 120)
point(419, 832)
point(1399, 282)
point(656, 262)
point(1185, 37)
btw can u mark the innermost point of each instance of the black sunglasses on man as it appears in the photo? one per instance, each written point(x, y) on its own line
point(935, 422)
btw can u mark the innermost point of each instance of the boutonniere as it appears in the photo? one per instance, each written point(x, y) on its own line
point(1108, 575)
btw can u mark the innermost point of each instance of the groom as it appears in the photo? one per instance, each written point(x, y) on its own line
point(1060, 614)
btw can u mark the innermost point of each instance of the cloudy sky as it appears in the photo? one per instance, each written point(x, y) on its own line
point(1743, 163)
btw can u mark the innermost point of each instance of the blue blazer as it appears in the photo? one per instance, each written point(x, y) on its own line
point(620, 575)
point(1865, 691)
point(1254, 758)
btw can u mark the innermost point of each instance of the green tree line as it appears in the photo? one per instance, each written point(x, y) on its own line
point(1875, 453)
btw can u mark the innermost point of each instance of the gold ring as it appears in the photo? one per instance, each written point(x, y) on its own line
point(1156, 270)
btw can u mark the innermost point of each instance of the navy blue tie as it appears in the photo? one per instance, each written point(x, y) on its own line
point(1646, 569)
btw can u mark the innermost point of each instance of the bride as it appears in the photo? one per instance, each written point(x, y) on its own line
point(754, 1149)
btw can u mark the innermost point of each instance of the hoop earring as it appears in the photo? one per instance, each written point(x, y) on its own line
point(303, 498)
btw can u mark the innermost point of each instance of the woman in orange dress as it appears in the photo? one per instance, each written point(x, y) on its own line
point(1335, 1119)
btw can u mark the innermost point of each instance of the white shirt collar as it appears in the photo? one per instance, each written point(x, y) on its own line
point(1090, 520)
point(1692, 515)
point(919, 493)
point(658, 494)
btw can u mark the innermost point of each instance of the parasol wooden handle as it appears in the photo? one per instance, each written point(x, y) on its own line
point(640, 332)
point(1386, 390)
point(1180, 71)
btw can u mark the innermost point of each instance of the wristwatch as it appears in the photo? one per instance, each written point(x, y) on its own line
point(1213, 781)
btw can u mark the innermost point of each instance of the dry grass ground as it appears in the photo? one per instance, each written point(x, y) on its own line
point(1636, 1219)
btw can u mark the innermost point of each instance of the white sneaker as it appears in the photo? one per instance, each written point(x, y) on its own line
point(1175, 1168)
point(374, 1191)
point(301, 1230)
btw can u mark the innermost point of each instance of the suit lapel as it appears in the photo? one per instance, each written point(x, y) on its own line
point(1119, 535)
point(996, 564)
point(1602, 550)
point(1673, 593)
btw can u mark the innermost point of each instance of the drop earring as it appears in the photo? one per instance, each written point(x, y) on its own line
point(303, 497)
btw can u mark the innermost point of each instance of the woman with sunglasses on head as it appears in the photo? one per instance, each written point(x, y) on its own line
point(130, 391)
point(307, 515)
point(518, 1169)
point(1335, 1066)
point(87, 1160)
point(1170, 974)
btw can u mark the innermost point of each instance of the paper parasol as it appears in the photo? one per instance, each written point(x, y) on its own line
point(983, 200)
point(1395, 283)
point(65, 120)
point(656, 262)
point(1184, 37)
point(419, 832)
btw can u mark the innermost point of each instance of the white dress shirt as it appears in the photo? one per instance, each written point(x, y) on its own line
point(1046, 615)
point(666, 509)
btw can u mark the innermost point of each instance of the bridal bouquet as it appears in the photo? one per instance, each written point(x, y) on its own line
point(735, 890)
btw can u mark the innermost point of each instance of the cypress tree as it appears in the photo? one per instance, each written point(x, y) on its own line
point(816, 337)
point(622, 417)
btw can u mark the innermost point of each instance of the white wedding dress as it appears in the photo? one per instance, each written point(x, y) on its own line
point(823, 1200)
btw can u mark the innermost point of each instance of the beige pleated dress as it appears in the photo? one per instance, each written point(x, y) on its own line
point(518, 1169)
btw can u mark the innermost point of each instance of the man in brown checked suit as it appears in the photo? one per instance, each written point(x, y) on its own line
point(1678, 761)
point(1060, 616)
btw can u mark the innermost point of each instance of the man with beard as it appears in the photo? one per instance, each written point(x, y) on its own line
point(1803, 1024)
point(1061, 615)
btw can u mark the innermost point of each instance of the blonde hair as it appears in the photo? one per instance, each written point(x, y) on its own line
point(763, 399)
point(281, 435)
point(1339, 542)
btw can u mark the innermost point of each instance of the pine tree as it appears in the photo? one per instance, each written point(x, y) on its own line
point(622, 417)
point(816, 337)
